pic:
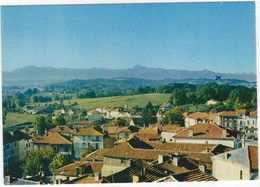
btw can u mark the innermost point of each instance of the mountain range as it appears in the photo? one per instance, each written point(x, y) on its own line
point(49, 73)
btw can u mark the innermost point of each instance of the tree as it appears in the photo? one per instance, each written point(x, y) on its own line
point(86, 151)
point(148, 114)
point(174, 116)
point(40, 124)
point(4, 113)
point(178, 97)
point(59, 120)
point(38, 160)
point(34, 99)
point(61, 102)
point(120, 122)
point(60, 160)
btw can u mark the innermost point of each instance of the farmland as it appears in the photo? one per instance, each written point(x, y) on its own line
point(14, 119)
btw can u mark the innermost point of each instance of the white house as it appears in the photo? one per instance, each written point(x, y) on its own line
point(239, 164)
point(85, 137)
point(211, 102)
point(210, 134)
point(166, 106)
point(198, 117)
point(168, 131)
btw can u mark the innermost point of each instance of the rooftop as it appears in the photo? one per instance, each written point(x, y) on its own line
point(206, 130)
point(245, 156)
point(200, 115)
point(90, 131)
point(55, 138)
point(61, 128)
point(194, 175)
point(71, 169)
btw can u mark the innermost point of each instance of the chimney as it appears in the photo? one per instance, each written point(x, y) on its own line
point(224, 133)
point(207, 150)
point(202, 168)
point(45, 132)
point(135, 178)
point(59, 181)
point(176, 160)
point(190, 132)
point(143, 172)
point(96, 176)
point(160, 159)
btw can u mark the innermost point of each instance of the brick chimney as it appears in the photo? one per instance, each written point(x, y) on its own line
point(96, 176)
point(190, 132)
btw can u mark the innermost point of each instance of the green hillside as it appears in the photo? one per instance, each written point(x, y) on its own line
point(120, 101)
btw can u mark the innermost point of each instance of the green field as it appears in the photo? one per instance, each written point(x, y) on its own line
point(120, 101)
point(13, 119)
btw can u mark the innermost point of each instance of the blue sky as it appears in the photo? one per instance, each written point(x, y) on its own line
point(192, 36)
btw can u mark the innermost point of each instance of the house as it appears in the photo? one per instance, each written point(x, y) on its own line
point(168, 131)
point(192, 155)
point(239, 164)
point(118, 112)
point(102, 109)
point(79, 124)
point(210, 134)
point(16, 144)
point(84, 137)
point(60, 143)
point(238, 120)
point(76, 170)
point(211, 102)
point(94, 115)
point(197, 117)
point(195, 175)
point(166, 106)
point(62, 129)
point(59, 112)
point(92, 179)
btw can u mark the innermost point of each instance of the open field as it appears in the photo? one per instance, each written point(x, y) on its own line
point(120, 101)
point(14, 119)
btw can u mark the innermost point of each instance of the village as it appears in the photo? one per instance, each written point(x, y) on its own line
point(115, 145)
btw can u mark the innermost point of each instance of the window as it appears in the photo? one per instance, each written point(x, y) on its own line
point(241, 175)
point(66, 149)
point(253, 122)
point(84, 145)
point(122, 160)
point(248, 122)
point(170, 140)
point(241, 123)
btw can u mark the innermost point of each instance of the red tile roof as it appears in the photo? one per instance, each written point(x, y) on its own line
point(90, 131)
point(194, 175)
point(55, 138)
point(227, 113)
point(61, 128)
point(204, 130)
point(71, 169)
point(96, 155)
point(253, 157)
point(254, 113)
point(200, 115)
point(172, 128)
point(241, 111)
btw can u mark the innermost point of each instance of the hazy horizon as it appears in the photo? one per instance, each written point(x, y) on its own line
point(218, 37)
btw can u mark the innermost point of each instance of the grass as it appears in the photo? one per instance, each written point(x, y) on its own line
point(14, 119)
point(120, 101)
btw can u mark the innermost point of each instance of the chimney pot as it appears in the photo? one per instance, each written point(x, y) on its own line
point(160, 159)
point(224, 133)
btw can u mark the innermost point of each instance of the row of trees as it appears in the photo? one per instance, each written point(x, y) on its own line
point(44, 159)
point(42, 123)
point(234, 97)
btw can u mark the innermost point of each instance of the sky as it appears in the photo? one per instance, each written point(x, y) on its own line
point(189, 36)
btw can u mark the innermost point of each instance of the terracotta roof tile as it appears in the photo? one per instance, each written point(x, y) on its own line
point(90, 131)
point(241, 111)
point(61, 128)
point(96, 155)
point(253, 157)
point(254, 113)
point(87, 180)
point(150, 174)
point(55, 138)
point(71, 169)
point(80, 122)
point(227, 113)
point(200, 115)
point(204, 130)
point(194, 175)
point(172, 128)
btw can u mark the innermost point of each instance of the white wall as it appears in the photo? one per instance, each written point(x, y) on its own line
point(224, 170)
point(229, 143)
point(167, 136)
